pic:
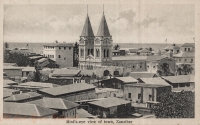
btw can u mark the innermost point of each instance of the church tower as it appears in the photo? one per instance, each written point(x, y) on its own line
point(103, 45)
point(86, 44)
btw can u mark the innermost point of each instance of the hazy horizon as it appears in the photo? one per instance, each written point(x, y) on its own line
point(132, 23)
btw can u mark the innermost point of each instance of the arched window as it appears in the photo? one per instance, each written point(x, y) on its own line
point(104, 53)
point(88, 51)
point(92, 51)
point(97, 52)
point(82, 52)
point(108, 53)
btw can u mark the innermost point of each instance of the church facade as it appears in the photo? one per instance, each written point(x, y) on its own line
point(95, 51)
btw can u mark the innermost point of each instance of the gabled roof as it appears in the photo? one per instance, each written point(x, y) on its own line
point(65, 72)
point(109, 102)
point(67, 89)
point(154, 81)
point(180, 78)
point(87, 29)
point(25, 109)
point(188, 45)
point(127, 79)
point(23, 96)
point(137, 75)
point(54, 103)
point(103, 28)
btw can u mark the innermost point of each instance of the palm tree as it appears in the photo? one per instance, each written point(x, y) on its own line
point(116, 47)
point(187, 69)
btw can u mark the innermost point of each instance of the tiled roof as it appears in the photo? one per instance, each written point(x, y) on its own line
point(184, 54)
point(67, 89)
point(54, 103)
point(103, 28)
point(127, 79)
point(23, 96)
point(87, 29)
point(129, 58)
point(59, 44)
point(28, 69)
point(188, 45)
point(155, 81)
point(109, 102)
point(137, 75)
point(25, 109)
point(81, 113)
point(180, 78)
point(65, 72)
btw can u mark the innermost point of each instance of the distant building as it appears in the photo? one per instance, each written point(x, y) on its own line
point(73, 92)
point(144, 52)
point(65, 108)
point(173, 48)
point(24, 51)
point(156, 62)
point(61, 53)
point(142, 93)
point(188, 47)
point(13, 72)
point(24, 110)
point(27, 70)
point(110, 107)
point(65, 76)
point(118, 52)
point(181, 82)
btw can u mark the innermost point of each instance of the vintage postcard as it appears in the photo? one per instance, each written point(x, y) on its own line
point(100, 62)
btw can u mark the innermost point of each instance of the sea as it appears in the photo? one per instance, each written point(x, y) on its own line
point(38, 47)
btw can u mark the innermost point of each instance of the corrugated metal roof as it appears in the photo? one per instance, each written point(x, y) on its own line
point(81, 113)
point(54, 103)
point(155, 81)
point(127, 79)
point(65, 72)
point(67, 89)
point(109, 102)
point(180, 78)
point(25, 109)
point(137, 75)
point(129, 58)
point(23, 96)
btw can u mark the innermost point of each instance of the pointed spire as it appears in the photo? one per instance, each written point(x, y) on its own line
point(103, 28)
point(87, 29)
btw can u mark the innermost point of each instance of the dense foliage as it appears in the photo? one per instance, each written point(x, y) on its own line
point(175, 105)
point(17, 58)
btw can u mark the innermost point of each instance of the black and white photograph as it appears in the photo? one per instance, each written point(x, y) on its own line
point(99, 61)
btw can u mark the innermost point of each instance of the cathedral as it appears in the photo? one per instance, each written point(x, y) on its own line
point(95, 51)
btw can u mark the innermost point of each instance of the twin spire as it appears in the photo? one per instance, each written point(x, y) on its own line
point(103, 28)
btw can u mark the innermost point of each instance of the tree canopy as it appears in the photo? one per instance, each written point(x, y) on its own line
point(175, 105)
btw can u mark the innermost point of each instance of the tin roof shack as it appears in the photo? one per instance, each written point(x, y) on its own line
point(27, 70)
point(181, 82)
point(65, 108)
point(142, 93)
point(24, 97)
point(65, 76)
point(13, 72)
point(73, 92)
point(110, 107)
point(24, 110)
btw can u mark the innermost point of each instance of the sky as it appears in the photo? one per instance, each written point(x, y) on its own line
point(128, 23)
